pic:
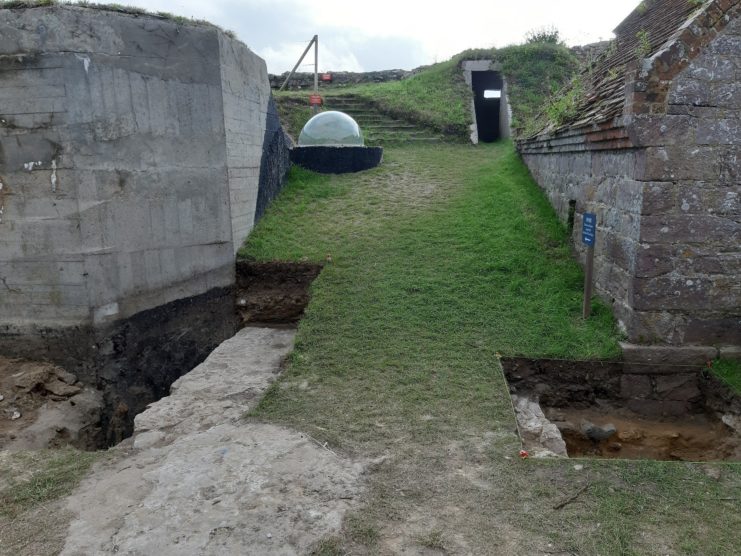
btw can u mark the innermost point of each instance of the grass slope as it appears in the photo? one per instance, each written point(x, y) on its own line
point(489, 263)
point(438, 96)
point(442, 258)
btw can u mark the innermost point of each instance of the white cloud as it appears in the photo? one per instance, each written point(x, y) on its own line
point(420, 31)
point(286, 55)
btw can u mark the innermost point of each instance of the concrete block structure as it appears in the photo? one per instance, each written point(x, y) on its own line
point(653, 149)
point(130, 157)
point(136, 153)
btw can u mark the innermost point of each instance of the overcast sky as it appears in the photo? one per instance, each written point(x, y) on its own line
point(389, 34)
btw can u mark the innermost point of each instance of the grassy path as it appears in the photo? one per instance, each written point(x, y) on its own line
point(438, 261)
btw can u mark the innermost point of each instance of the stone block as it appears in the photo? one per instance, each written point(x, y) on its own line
point(665, 129)
point(654, 260)
point(711, 68)
point(726, 95)
point(682, 163)
point(635, 386)
point(690, 229)
point(718, 330)
point(667, 355)
point(728, 44)
point(709, 198)
point(680, 387)
point(658, 197)
point(690, 294)
point(692, 92)
point(719, 131)
point(654, 408)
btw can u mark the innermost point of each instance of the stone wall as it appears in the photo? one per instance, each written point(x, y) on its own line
point(304, 80)
point(687, 285)
point(130, 157)
point(601, 182)
point(664, 182)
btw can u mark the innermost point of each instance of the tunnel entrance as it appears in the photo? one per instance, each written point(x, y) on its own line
point(488, 89)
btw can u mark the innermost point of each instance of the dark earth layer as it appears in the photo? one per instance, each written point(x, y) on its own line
point(274, 292)
point(658, 412)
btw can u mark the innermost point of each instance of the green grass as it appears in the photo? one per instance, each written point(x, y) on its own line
point(45, 475)
point(729, 371)
point(535, 72)
point(443, 258)
point(438, 96)
point(492, 264)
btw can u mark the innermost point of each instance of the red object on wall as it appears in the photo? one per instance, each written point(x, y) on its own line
point(327, 77)
point(316, 100)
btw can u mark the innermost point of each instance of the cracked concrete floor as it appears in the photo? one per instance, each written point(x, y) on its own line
point(199, 479)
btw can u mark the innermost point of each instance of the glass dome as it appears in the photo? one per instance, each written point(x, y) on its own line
point(334, 129)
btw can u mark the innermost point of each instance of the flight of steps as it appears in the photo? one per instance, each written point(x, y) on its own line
point(378, 128)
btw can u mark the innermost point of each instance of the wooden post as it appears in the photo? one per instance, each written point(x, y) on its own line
point(588, 281)
point(316, 70)
point(314, 39)
point(588, 238)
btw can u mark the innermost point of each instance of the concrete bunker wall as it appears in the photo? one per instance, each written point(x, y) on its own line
point(130, 158)
point(666, 190)
point(135, 157)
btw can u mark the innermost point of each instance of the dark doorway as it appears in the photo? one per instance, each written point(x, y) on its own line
point(487, 93)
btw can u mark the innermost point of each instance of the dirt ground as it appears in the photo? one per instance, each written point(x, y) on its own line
point(693, 438)
point(44, 406)
point(274, 292)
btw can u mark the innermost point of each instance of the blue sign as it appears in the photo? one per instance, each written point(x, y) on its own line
point(589, 229)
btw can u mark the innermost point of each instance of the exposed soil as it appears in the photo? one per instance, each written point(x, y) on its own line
point(612, 409)
point(44, 406)
point(274, 292)
point(694, 438)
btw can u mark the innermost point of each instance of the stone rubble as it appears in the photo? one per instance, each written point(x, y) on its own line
point(540, 437)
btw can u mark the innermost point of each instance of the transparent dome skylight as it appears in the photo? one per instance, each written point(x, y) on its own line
point(334, 129)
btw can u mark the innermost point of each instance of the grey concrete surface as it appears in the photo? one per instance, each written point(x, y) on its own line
point(130, 152)
point(199, 479)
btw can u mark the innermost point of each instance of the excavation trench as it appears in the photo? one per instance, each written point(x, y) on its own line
point(90, 401)
point(613, 409)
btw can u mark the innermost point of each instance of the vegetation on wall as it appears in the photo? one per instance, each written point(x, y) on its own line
point(119, 8)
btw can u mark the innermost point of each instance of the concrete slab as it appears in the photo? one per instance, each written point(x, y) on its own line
point(198, 479)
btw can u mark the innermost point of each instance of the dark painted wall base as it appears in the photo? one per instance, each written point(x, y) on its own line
point(136, 360)
point(275, 163)
point(337, 160)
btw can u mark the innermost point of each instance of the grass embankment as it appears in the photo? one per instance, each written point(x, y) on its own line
point(438, 96)
point(442, 258)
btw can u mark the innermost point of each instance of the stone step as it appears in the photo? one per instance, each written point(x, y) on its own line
point(379, 128)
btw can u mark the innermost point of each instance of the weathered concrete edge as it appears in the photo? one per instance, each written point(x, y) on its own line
point(677, 355)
